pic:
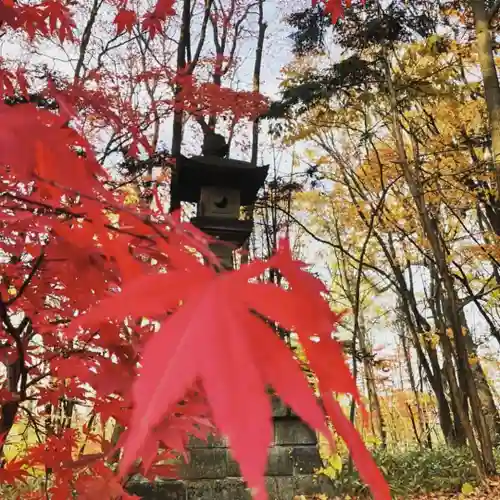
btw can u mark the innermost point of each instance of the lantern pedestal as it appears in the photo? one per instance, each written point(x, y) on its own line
point(224, 253)
point(234, 232)
point(213, 474)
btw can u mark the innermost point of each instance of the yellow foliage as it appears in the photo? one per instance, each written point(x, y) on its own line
point(367, 176)
point(473, 360)
point(131, 194)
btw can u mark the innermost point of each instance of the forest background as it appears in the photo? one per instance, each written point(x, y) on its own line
point(382, 135)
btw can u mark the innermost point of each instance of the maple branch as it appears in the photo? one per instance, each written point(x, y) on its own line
point(90, 424)
point(108, 47)
point(40, 204)
point(36, 426)
point(38, 378)
point(151, 94)
point(87, 32)
point(208, 254)
point(76, 215)
point(117, 141)
point(36, 98)
point(27, 281)
point(16, 371)
point(114, 186)
point(143, 36)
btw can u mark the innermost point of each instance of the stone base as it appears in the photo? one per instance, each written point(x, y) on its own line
point(212, 474)
point(231, 488)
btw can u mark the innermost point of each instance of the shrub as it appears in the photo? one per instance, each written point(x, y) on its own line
point(413, 471)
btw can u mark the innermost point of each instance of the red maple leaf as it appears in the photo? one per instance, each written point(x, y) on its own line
point(125, 20)
point(12, 471)
point(59, 20)
point(105, 486)
point(335, 8)
point(216, 337)
point(152, 24)
point(164, 8)
point(7, 80)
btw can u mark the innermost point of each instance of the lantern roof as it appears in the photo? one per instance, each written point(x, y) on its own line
point(212, 171)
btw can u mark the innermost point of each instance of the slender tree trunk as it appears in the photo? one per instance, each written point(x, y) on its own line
point(371, 386)
point(175, 202)
point(463, 418)
point(490, 409)
point(430, 364)
point(249, 211)
point(256, 77)
point(490, 79)
point(416, 394)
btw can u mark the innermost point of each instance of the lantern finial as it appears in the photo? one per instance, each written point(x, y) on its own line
point(214, 144)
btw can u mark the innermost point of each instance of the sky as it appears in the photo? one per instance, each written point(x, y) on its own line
point(277, 53)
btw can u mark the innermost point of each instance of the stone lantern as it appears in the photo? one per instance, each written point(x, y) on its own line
point(220, 187)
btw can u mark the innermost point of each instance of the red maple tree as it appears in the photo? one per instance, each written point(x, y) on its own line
point(81, 269)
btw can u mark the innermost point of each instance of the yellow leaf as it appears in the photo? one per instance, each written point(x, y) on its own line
point(336, 462)
point(467, 489)
point(473, 360)
point(131, 199)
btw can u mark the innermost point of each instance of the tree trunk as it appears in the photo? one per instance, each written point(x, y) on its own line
point(371, 386)
point(490, 79)
point(175, 201)
point(413, 385)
